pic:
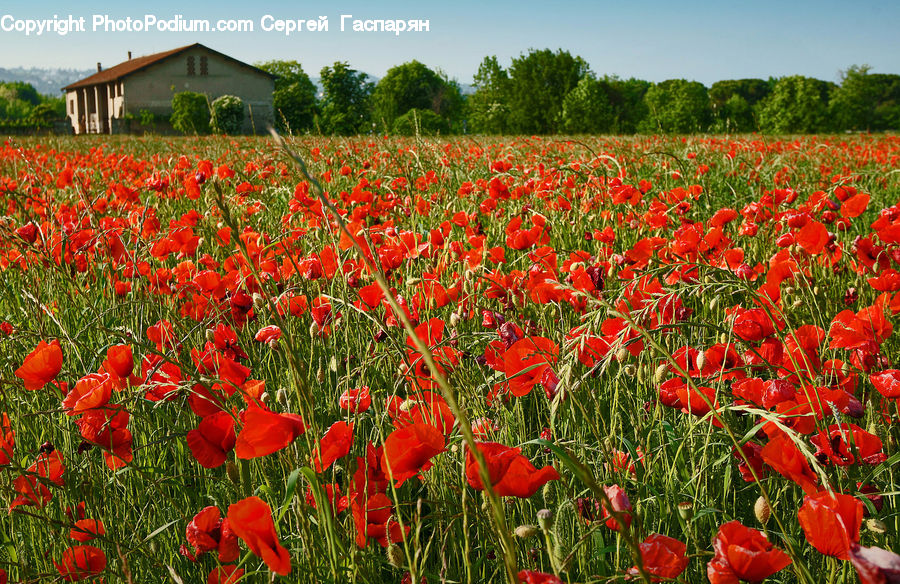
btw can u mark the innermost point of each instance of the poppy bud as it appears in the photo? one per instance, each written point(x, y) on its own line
point(548, 494)
point(210, 335)
point(545, 519)
point(622, 354)
point(714, 304)
point(233, 473)
point(526, 531)
point(701, 361)
point(395, 555)
point(660, 373)
point(762, 510)
point(454, 319)
point(876, 526)
point(281, 396)
point(630, 370)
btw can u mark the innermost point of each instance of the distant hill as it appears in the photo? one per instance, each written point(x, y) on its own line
point(45, 81)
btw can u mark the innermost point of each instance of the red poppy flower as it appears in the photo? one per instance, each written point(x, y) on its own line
point(841, 441)
point(526, 361)
point(225, 575)
point(212, 440)
point(875, 565)
point(251, 520)
point(663, 558)
point(86, 530)
point(107, 428)
point(620, 504)
point(355, 400)
point(532, 577)
point(512, 475)
point(265, 432)
point(208, 532)
point(33, 492)
point(887, 383)
point(831, 522)
point(783, 455)
point(267, 334)
point(91, 392)
point(335, 444)
point(7, 440)
point(745, 554)
point(408, 451)
point(41, 366)
point(119, 360)
point(81, 562)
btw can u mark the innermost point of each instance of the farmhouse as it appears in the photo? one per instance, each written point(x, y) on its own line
point(101, 103)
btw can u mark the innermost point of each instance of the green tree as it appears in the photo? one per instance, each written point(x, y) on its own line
point(412, 85)
point(19, 90)
point(677, 106)
point(796, 105)
point(190, 113)
point(227, 114)
point(627, 97)
point(488, 112)
point(539, 81)
point(588, 109)
point(294, 97)
point(733, 103)
point(866, 101)
point(346, 103)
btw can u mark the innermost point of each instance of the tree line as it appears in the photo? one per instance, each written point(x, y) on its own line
point(547, 92)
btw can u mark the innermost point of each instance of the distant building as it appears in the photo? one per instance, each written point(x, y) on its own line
point(100, 103)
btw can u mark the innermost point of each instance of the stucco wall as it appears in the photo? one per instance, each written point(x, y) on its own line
point(153, 88)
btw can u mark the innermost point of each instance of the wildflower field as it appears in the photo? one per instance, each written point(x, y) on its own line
point(473, 360)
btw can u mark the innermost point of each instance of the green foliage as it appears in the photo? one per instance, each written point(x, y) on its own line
point(346, 101)
point(44, 114)
point(412, 85)
point(294, 98)
point(539, 81)
point(147, 117)
point(588, 109)
point(19, 90)
point(733, 102)
point(488, 112)
point(420, 122)
point(227, 115)
point(866, 101)
point(797, 104)
point(190, 113)
point(676, 106)
point(627, 97)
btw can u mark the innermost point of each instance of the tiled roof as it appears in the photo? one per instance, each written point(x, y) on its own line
point(132, 65)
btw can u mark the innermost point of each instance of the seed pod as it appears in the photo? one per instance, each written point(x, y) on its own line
point(395, 555)
point(686, 510)
point(762, 510)
point(526, 531)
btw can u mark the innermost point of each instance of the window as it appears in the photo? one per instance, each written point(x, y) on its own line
point(204, 66)
point(190, 66)
point(71, 106)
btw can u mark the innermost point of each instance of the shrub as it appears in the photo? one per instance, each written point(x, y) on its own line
point(190, 113)
point(227, 114)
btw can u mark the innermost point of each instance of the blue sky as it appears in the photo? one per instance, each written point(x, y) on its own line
point(655, 40)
